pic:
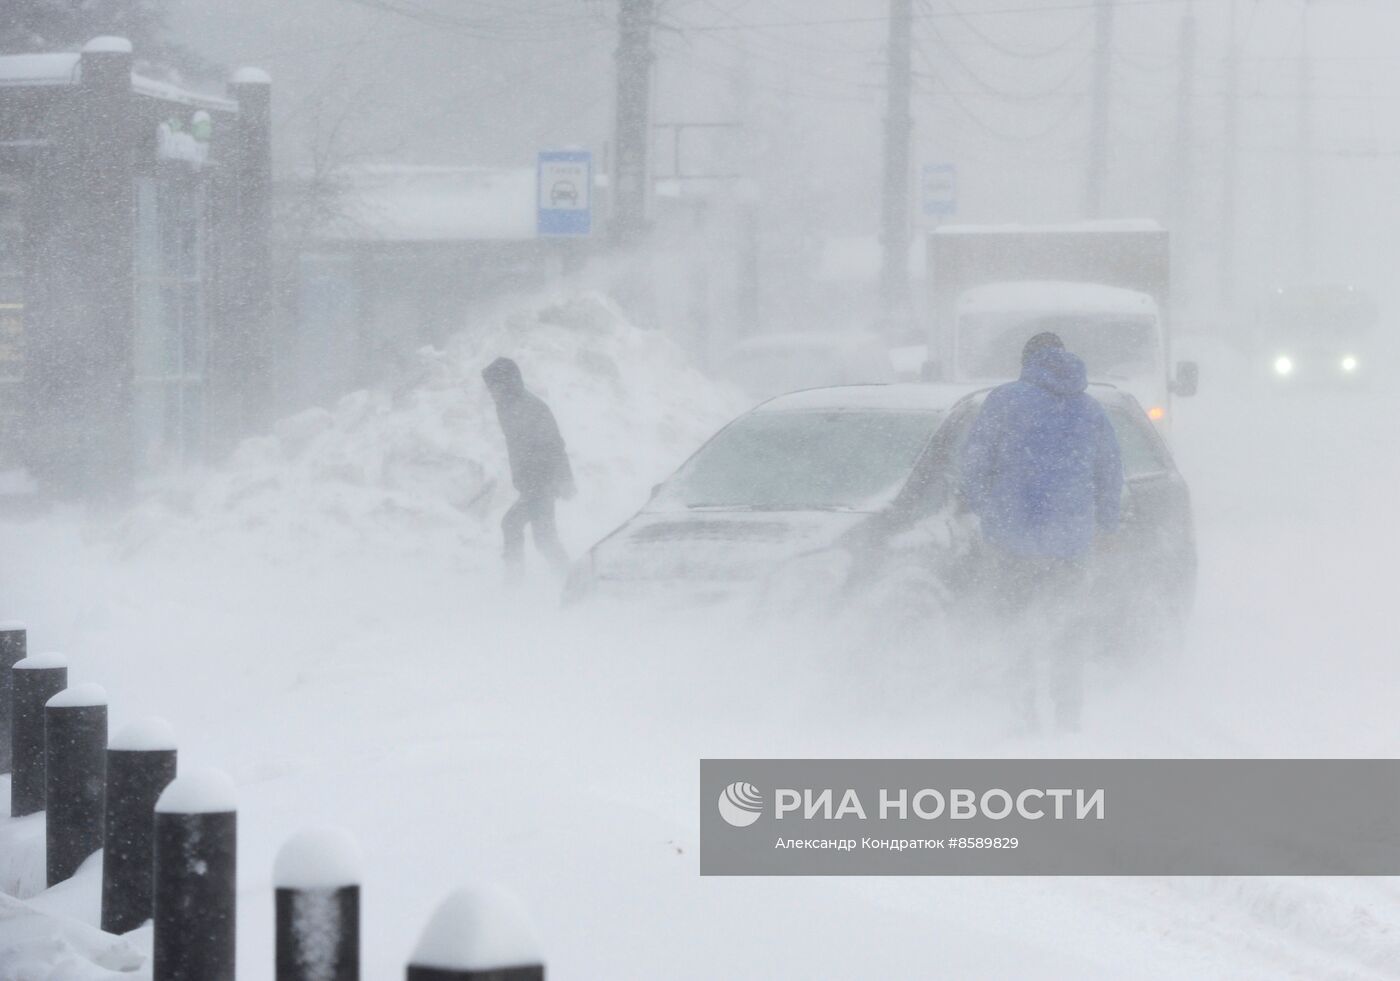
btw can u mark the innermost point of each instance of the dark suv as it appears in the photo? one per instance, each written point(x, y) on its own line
point(1144, 575)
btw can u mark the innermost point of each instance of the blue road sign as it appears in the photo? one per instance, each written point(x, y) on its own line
point(938, 190)
point(564, 193)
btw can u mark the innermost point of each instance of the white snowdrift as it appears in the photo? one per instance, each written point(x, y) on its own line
point(420, 464)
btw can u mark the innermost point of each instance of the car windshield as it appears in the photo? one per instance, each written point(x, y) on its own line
point(802, 460)
point(1112, 346)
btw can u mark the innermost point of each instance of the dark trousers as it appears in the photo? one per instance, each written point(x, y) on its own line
point(537, 511)
point(1040, 603)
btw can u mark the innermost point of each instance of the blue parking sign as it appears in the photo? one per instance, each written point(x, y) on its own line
point(564, 187)
point(938, 191)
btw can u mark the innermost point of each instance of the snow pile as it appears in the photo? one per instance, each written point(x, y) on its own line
point(35, 944)
point(421, 463)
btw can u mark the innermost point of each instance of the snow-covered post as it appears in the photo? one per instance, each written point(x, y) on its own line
point(478, 935)
point(13, 644)
point(317, 875)
point(196, 860)
point(75, 723)
point(140, 765)
point(36, 679)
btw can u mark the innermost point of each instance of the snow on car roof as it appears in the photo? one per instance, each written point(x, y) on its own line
point(1051, 295)
point(907, 397)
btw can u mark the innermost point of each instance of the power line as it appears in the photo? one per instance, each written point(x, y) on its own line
point(1011, 52)
point(949, 52)
point(1049, 8)
point(498, 30)
point(942, 90)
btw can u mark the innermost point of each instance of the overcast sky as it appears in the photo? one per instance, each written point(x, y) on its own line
point(1004, 95)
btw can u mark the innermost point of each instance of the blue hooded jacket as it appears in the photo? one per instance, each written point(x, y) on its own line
point(1041, 467)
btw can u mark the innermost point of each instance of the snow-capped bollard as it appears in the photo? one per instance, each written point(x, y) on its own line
point(196, 861)
point(14, 642)
point(478, 935)
point(76, 778)
point(140, 765)
point(317, 875)
point(36, 679)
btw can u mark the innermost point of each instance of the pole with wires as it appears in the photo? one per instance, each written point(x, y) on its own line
point(1097, 172)
point(1231, 162)
point(1183, 156)
point(633, 130)
point(1307, 249)
point(899, 125)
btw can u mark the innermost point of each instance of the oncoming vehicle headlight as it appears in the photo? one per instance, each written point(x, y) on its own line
point(1349, 363)
point(1283, 365)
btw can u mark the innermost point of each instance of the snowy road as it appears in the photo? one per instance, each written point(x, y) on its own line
point(465, 734)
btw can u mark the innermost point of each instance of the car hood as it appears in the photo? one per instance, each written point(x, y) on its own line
point(715, 545)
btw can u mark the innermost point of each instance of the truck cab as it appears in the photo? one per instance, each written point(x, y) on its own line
point(1117, 332)
point(1103, 286)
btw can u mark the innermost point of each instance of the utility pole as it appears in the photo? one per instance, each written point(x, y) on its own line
point(1231, 162)
point(899, 124)
point(1183, 156)
point(633, 132)
point(1097, 172)
point(1306, 225)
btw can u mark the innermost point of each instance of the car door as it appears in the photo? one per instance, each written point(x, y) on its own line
point(919, 529)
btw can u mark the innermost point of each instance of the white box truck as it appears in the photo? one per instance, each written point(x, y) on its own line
point(1103, 286)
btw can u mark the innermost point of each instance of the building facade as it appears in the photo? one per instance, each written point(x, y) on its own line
point(134, 267)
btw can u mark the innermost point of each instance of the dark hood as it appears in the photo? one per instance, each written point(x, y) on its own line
point(1057, 371)
point(503, 378)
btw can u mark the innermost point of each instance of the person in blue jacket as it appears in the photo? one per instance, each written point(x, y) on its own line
point(1041, 470)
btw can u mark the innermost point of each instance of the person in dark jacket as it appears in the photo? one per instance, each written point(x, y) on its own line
point(1041, 470)
point(539, 466)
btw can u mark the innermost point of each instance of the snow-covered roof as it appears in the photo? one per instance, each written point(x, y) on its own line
point(248, 75)
point(1053, 295)
point(805, 340)
point(1102, 225)
point(65, 68)
point(107, 44)
point(906, 397)
point(402, 203)
point(857, 259)
point(173, 93)
point(60, 68)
